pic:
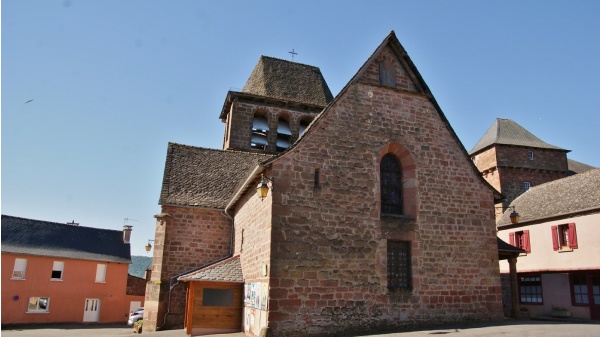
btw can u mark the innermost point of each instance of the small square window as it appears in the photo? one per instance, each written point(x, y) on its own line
point(57, 270)
point(38, 304)
point(527, 185)
point(564, 237)
point(398, 265)
point(19, 269)
point(521, 240)
point(530, 289)
point(530, 155)
point(580, 289)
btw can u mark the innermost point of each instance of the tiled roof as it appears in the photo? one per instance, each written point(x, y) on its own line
point(35, 237)
point(576, 167)
point(229, 270)
point(287, 80)
point(558, 198)
point(507, 132)
point(196, 176)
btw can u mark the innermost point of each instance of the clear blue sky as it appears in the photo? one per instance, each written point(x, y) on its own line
point(112, 82)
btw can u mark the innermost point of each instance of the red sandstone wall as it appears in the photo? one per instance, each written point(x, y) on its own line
point(329, 244)
point(240, 123)
point(191, 238)
point(507, 168)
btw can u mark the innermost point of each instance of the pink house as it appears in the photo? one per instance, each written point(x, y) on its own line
point(59, 273)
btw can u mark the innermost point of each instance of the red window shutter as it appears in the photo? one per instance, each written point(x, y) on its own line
point(554, 238)
point(572, 236)
point(526, 244)
point(511, 238)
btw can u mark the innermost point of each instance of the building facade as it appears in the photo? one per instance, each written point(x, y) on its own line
point(64, 273)
point(363, 225)
point(559, 275)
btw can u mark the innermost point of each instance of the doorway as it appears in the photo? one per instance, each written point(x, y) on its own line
point(91, 311)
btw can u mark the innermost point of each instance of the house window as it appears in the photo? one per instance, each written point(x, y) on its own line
point(564, 237)
point(391, 185)
point(530, 155)
point(260, 128)
point(580, 289)
point(527, 185)
point(19, 269)
point(38, 304)
point(520, 239)
point(57, 270)
point(100, 273)
point(398, 265)
point(530, 289)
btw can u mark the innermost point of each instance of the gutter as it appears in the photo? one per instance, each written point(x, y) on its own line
point(582, 212)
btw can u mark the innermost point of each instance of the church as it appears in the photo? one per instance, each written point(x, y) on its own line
point(324, 215)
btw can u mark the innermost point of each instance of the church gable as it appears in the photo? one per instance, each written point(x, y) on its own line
point(386, 69)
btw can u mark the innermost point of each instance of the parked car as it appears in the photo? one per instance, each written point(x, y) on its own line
point(135, 316)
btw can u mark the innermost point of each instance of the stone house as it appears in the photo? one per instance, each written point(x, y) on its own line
point(512, 160)
point(374, 215)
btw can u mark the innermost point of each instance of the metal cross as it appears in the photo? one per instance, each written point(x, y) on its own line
point(293, 53)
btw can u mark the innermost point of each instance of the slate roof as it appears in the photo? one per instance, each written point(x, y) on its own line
point(44, 238)
point(229, 270)
point(507, 132)
point(558, 198)
point(576, 167)
point(196, 176)
point(287, 80)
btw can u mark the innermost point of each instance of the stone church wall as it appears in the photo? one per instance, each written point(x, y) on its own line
point(329, 258)
point(189, 238)
point(333, 270)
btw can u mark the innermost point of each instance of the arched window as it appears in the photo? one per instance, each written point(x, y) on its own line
point(391, 185)
point(260, 128)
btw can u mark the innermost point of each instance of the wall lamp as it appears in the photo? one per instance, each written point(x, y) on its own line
point(514, 216)
point(263, 187)
point(148, 246)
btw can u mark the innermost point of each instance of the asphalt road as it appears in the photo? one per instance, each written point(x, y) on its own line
point(505, 328)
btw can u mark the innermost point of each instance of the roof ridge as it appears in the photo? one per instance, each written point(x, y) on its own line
point(221, 150)
point(60, 223)
point(288, 61)
point(505, 131)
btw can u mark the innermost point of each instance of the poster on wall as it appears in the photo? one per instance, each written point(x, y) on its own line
point(256, 287)
point(247, 291)
point(263, 296)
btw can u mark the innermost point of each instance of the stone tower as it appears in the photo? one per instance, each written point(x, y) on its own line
point(278, 102)
point(512, 160)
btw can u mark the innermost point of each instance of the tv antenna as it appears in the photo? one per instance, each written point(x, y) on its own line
point(127, 219)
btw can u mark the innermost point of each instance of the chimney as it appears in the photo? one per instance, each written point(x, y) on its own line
point(127, 233)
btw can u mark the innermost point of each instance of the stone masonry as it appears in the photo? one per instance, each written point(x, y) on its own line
point(328, 242)
point(185, 238)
